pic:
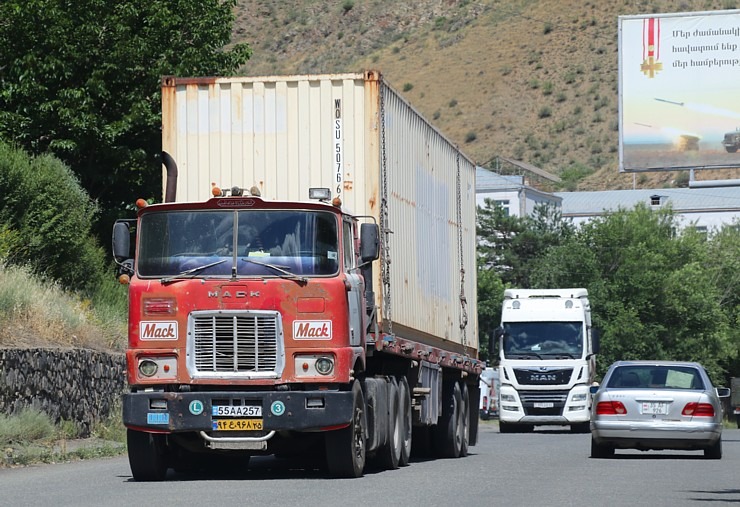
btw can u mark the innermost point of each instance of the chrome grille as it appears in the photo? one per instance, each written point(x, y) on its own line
point(236, 343)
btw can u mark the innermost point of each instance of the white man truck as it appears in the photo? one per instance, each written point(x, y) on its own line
point(547, 351)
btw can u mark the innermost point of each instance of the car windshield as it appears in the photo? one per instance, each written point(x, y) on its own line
point(543, 339)
point(652, 377)
point(238, 243)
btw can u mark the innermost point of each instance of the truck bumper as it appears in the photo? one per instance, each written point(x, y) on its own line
point(168, 412)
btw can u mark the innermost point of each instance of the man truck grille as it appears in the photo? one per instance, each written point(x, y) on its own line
point(235, 343)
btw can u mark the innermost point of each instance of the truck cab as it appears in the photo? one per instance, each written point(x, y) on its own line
point(547, 351)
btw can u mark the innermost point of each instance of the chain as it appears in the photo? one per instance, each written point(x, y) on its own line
point(385, 263)
point(463, 301)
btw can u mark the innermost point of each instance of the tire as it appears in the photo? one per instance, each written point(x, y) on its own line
point(737, 419)
point(580, 428)
point(731, 149)
point(346, 448)
point(389, 453)
point(146, 455)
point(507, 427)
point(421, 447)
point(601, 450)
point(715, 451)
point(448, 433)
point(404, 395)
point(464, 424)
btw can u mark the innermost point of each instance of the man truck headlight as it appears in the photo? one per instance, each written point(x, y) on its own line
point(508, 397)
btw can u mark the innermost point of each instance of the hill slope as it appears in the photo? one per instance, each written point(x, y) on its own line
point(530, 80)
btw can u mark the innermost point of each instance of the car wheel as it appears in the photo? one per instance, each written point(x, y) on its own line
point(715, 451)
point(601, 450)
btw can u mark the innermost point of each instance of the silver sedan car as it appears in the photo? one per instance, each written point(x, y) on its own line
point(656, 405)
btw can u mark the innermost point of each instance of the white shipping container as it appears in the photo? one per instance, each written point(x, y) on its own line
point(356, 135)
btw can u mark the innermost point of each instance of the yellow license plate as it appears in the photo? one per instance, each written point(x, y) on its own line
point(237, 424)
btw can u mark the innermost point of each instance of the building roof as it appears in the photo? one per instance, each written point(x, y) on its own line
point(680, 199)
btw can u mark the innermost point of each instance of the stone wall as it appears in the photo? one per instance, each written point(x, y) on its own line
point(78, 385)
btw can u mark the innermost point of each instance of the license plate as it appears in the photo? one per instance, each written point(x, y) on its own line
point(237, 424)
point(543, 405)
point(654, 407)
point(237, 411)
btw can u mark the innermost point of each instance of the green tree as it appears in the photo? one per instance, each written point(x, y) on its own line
point(509, 244)
point(81, 80)
point(490, 298)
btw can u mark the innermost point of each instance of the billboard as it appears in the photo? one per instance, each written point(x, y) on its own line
point(679, 91)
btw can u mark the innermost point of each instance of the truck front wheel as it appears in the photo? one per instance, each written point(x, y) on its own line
point(146, 455)
point(345, 448)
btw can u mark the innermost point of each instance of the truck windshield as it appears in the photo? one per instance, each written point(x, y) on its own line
point(243, 243)
point(549, 340)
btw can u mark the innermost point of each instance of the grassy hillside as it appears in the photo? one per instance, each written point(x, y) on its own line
point(531, 80)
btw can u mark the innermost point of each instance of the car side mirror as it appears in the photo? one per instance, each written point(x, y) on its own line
point(593, 389)
point(723, 392)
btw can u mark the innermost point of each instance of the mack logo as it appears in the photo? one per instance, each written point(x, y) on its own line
point(158, 330)
point(312, 330)
point(237, 294)
point(543, 377)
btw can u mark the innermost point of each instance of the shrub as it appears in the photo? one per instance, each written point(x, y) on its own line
point(470, 137)
point(407, 87)
point(47, 219)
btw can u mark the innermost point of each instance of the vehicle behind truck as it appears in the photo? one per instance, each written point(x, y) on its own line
point(547, 358)
point(266, 317)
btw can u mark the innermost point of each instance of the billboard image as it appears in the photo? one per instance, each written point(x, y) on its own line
point(679, 91)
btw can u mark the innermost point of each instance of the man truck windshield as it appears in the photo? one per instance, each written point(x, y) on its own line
point(242, 243)
point(524, 340)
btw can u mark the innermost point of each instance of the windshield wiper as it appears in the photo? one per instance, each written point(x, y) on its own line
point(189, 273)
point(280, 269)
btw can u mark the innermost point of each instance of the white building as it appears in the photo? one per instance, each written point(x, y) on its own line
point(703, 208)
point(511, 192)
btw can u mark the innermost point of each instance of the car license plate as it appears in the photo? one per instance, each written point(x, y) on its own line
point(237, 411)
point(237, 424)
point(541, 404)
point(654, 407)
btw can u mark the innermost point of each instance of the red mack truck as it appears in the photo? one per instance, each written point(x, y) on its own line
point(322, 306)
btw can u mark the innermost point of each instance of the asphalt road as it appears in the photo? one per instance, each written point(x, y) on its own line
point(549, 467)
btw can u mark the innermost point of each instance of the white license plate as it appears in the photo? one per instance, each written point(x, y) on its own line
point(237, 411)
point(654, 407)
point(548, 404)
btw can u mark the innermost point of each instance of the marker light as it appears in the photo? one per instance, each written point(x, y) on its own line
point(321, 194)
point(141, 203)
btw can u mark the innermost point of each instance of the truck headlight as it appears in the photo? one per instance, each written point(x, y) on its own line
point(324, 365)
point(579, 397)
point(148, 368)
point(508, 397)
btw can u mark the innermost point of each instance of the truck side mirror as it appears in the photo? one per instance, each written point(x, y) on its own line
point(121, 241)
point(595, 339)
point(369, 242)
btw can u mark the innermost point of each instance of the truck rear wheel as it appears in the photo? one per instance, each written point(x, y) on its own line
point(146, 455)
point(389, 453)
point(404, 395)
point(464, 419)
point(448, 433)
point(345, 448)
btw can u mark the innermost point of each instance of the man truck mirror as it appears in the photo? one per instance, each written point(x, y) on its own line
point(369, 242)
